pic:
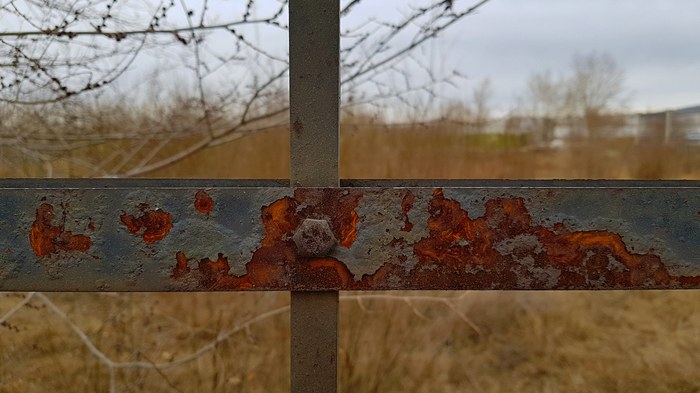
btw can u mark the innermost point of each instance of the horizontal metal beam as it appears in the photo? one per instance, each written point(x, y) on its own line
point(210, 235)
point(376, 183)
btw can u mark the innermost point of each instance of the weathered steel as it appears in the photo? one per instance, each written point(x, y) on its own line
point(314, 341)
point(314, 79)
point(314, 238)
point(522, 235)
point(314, 91)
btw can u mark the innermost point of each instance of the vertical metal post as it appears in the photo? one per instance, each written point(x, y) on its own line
point(314, 50)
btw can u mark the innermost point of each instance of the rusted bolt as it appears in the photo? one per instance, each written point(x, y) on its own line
point(314, 238)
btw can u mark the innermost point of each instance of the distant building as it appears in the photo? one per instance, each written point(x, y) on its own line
point(680, 126)
point(671, 127)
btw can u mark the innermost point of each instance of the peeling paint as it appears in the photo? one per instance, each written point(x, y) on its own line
point(502, 249)
point(387, 238)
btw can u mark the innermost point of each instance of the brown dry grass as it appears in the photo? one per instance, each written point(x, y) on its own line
point(527, 341)
point(417, 153)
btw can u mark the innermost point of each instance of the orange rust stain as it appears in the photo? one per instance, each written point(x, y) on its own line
point(275, 264)
point(390, 275)
point(47, 238)
point(279, 219)
point(203, 202)
point(270, 265)
point(406, 206)
point(265, 270)
point(182, 266)
point(151, 225)
point(583, 258)
point(459, 252)
point(347, 230)
point(336, 205)
point(325, 272)
point(212, 271)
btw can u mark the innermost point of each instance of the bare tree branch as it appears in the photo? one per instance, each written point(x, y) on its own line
point(72, 75)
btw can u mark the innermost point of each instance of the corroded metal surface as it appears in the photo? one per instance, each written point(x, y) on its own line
point(314, 114)
point(542, 235)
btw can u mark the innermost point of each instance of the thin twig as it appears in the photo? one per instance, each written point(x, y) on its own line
point(409, 299)
point(148, 31)
point(16, 307)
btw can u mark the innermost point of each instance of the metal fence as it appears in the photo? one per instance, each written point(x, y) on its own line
point(317, 235)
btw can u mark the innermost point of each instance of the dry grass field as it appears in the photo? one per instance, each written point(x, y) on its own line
point(389, 342)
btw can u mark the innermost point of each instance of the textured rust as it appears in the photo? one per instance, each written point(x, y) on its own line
point(502, 249)
point(276, 262)
point(212, 271)
point(47, 238)
point(314, 238)
point(283, 216)
point(151, 225)
point(406, 206)
point(181, 267)
point(203, 202)
point(279, 219)
point(337, 206)
point(461, 249)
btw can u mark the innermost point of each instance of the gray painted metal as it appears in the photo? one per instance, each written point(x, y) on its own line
point(314, 57)
point(314, 341)
point(549, 235)
point(314, 91)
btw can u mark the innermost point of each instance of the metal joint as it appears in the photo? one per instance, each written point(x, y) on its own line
point(314, 238)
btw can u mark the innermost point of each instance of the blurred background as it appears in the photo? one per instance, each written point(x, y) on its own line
point(430, 89)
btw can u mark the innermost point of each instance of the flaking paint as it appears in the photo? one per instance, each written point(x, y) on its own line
point(459, 252)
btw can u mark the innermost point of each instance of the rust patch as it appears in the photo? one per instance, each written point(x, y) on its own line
point(283, 216)
point(502, 249)
point(182, 266)
point(298, 127)
point(203, 202)
point(213, 270)
point(47, 238)
point(406, 206)
point(279, 219)
point(151, 225)
point(461, 250)
point(275, 264)
point(337, 206)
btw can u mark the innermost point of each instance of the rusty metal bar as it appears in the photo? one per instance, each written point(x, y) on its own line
point(147, 235)
point(314, 50)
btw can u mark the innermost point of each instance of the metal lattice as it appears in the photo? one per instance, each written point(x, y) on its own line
point(316, 236)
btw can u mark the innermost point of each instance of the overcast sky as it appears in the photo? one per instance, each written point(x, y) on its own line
point(656, 43)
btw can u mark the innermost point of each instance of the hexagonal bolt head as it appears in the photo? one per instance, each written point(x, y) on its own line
point(314, 238)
